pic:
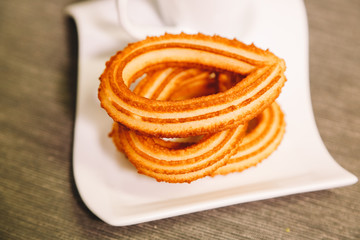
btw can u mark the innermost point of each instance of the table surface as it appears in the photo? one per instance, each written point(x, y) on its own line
point(39, 199)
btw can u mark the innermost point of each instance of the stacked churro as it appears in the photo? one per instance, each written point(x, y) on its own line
point(202, 106)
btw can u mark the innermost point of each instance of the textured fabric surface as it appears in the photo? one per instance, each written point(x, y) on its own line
point(38, 197)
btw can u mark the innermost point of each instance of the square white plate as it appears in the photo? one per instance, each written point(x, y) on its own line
point(111, 187)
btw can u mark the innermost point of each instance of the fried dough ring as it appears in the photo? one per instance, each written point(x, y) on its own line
point(190, 117)
point(177, 164)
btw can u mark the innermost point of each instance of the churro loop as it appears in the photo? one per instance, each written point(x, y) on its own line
point(177, 162)
point(263, 71)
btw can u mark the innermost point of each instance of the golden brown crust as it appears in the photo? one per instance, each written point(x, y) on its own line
point(203, 90)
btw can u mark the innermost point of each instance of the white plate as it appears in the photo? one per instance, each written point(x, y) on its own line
point(117, 194)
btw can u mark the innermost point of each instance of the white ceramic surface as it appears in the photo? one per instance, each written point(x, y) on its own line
point(189, 16)
point(110, 186)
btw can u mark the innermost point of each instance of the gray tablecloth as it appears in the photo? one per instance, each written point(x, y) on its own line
point(39, 200)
